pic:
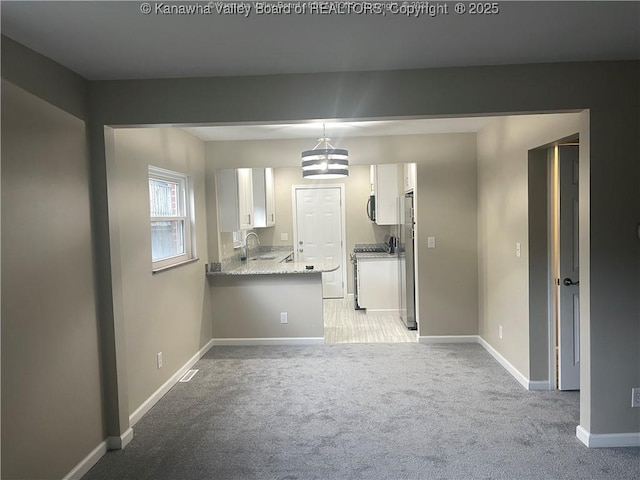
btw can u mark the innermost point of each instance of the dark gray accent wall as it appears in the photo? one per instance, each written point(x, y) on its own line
point(44, 78)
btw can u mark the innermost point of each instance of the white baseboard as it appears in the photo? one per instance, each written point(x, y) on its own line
point(158, 394)
point(430, 340)
point(87, 462)
point(607, 440)
point(121, 441)
point(268, 341)
point(524, 381)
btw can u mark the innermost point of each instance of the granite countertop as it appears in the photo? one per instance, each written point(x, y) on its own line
point(271, 263)
point(359, 255)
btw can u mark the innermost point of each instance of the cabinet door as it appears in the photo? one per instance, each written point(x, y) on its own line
point(270, 194)
point(387, 192)
point(245, 198)
point(227, 192)
point(264, 204)
point(378, 284)
point(409, 177)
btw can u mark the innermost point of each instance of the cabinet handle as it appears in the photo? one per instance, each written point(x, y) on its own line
point(249, 215)
point(272, 219)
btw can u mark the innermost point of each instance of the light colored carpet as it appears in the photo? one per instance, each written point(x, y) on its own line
point(378, 411)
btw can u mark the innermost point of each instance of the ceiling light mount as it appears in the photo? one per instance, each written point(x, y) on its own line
point(325, 161)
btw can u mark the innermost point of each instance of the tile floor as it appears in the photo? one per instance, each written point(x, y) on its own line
point(344, 324)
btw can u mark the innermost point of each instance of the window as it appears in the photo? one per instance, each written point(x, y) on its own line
point(237, 239)
point(171, 219)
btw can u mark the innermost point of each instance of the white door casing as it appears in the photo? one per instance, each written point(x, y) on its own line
point(319, 230)
point(569, 290)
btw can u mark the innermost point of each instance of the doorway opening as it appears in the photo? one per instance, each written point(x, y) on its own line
point(554, 296)
point(320, 219)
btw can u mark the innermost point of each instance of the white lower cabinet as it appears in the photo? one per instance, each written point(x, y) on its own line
point(378, 288)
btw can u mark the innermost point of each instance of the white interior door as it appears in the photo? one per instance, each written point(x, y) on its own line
point(569, 289)
point(318, 233)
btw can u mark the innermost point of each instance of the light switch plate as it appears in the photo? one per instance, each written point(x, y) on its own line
point(284, 237)
point(518, 249)
point(635, 397)
point(431, 242)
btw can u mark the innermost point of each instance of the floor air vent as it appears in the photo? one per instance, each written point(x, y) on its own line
point(188, 376)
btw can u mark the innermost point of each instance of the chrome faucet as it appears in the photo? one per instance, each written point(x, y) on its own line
point(245, 250)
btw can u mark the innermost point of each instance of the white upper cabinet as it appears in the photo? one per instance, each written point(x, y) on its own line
point(235, 199)
point(409, 177)
point(264, 198)
point(386, 190)
point(245, 193)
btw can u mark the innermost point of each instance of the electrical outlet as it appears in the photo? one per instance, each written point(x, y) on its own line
point(283, 317)
point(500, 332)
point(159, 359)
point(635, 397)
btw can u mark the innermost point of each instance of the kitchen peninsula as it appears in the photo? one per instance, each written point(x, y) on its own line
point(267, 299)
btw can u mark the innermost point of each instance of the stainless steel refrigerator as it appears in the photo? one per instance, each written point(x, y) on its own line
point(406, 257)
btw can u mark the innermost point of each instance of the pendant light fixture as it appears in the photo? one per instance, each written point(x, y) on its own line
point(325, 161)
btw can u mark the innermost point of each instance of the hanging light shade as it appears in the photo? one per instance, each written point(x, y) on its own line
point(325, 161)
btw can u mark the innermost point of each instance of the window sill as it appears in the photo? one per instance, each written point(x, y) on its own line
point(175, 265)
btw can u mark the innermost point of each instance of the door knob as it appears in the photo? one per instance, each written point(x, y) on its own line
point(567, 282)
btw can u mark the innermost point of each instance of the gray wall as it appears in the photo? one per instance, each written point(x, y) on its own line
point(249, 306)
point(503, 220)
point(52, 411)
point(447, 276)
point(168, 312)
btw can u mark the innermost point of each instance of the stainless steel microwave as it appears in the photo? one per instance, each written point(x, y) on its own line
point(371, 208)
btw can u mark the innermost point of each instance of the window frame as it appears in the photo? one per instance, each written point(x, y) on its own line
point(185, 209)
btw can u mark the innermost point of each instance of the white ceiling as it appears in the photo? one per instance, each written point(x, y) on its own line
point(337, 130)
point(104, 40)
point(114, 40)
